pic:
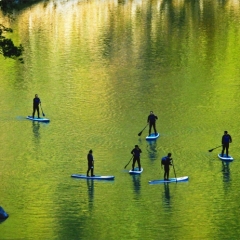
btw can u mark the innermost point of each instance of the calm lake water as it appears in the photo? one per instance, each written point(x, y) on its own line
point(99, 67)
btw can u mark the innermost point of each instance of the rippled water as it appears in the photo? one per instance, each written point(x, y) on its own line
point(99, 67)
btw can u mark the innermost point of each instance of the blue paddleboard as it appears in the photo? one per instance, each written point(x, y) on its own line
point(179, 179)
point(94, 177)
point(152, 136)
point(225, 158)
point(3, 214)
point(136, 171)
point(38, 119)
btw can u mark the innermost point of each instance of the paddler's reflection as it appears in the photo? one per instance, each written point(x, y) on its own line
point(136, 183)
point(226, 171)
point(35, 129)
point(152, 152)
point(90, 185)
point(166, 193)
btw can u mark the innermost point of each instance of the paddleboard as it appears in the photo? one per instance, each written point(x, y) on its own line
point(3, 214)
point(225, 158)
point(179, 179)
point(94, 177)
point(152, 136)
point(136, 171)
point(38, 119)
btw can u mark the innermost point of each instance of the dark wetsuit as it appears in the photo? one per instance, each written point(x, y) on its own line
point(226, 139)
point(136, 157)
point(152, 123)
point(166, 162)
point(36, 102)
point(90, 164)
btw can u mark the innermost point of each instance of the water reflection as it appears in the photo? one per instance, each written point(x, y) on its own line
point(166, 195)
point(35, 130)
point(152, 150)
point(136, 183)
point(90, 188)
point(179, 57)
point(226, 171)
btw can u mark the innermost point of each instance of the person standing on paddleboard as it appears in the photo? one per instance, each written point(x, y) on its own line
point(226, 139)
point(151, 120)
point(36, 102)
point(136, 157)
point(90, 163)
point(166, 162)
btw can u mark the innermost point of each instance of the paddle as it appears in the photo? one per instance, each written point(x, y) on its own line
point(42, 110)
point(214, 148)
point(129, 161)
point(174, 170)
point(142, 131)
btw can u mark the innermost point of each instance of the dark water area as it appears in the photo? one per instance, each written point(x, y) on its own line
point(99, 67)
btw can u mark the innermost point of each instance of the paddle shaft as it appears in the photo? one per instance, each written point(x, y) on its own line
point(142, 130)
point(42, 110)
point(174, 170)
point(214, 148)
point(129, 161)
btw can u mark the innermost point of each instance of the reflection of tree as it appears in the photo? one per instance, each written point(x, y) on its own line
point(165, 21)
point(7, 47)
point(8, 5)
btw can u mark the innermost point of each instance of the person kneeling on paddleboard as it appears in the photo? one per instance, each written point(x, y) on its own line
point(166, 162)
point(226, 139)
point(90, 163)
point(136, 157)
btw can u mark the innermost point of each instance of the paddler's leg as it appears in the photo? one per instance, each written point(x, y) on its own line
point(133, 164)
point(150, 128)
point(154, 127)
point(223, 149)
point(139, 164)
point(227, 150)
point(92, 175)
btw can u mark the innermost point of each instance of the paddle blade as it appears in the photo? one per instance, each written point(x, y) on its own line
point(43, 114)
point(210, 150)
